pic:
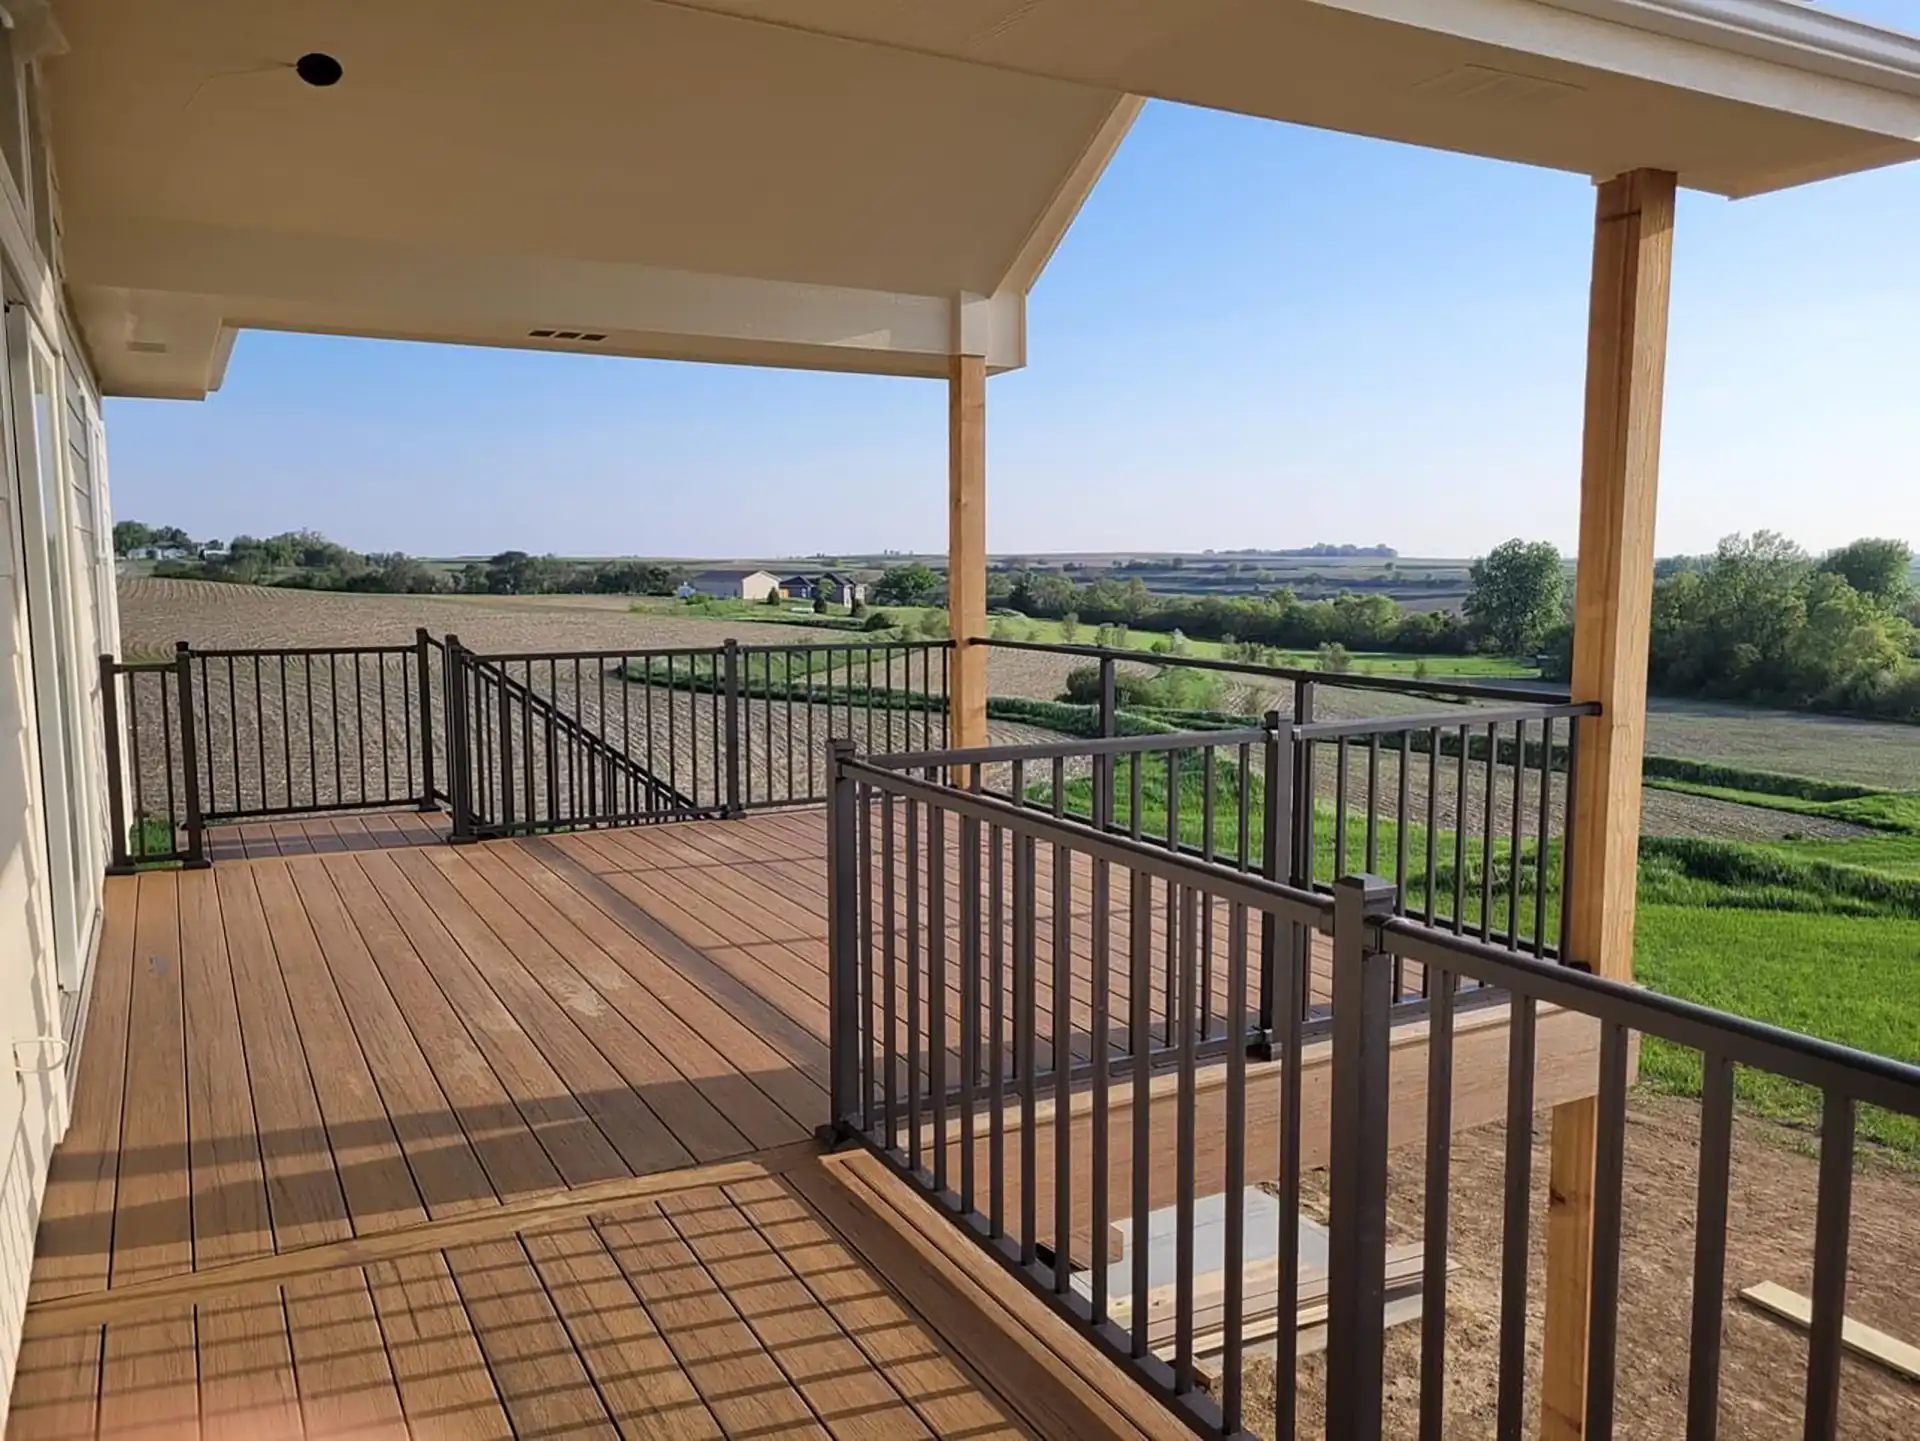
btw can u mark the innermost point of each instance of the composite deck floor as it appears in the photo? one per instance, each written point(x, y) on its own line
point(378, 1136)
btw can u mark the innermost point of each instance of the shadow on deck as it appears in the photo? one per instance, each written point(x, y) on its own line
point(512, 1139)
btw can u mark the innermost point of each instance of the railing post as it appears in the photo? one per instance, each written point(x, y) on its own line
point(459, 743)
point(843, 909)
point(122, 863)
point(421, 651)
point(195, 857)
point(1103, 767)
point(1357, 1160)
point(1276, 864)
point(732, 658)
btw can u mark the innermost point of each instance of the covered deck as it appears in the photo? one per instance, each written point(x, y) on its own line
point(512, 1139)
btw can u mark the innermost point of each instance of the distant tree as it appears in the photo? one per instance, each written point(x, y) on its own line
point(1514, 595)
point(1335, 658)
point(1070, 627)
point(1877, 568)
point(913, 584)
point(820, 606)
point(131, 535)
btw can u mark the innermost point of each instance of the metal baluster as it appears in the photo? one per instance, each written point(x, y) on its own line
point(1237, 1140)
point(913, 985)
point(1139, 1033)
point(233, 726)
point(1515, 1228)
point(1340, 808)
point(1433, 822)
point(1437, 1214)
point(1517, 806)
point(1832, 1219)
point(1062, 1050)
point(1540, 844)
point(1207, 768)
point(1098, 1178)
point(1710, 1248)
point(1025, 1023)
point(260, 733)
point(1184, 1167)
point(1486, 834)
point(1609, 1166)
point(889, 957)
point(1373, 804)
point(996, 1021)
point(1460, 841)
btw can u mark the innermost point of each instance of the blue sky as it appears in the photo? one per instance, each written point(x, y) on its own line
point(1254, 335)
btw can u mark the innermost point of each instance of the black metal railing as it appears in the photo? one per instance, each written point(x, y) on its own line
point(541, 743)
point(516, 744)
point(1468, 812)
point(310, 730)
point(1032, 1024)
point(153, 783)
point(564, 740)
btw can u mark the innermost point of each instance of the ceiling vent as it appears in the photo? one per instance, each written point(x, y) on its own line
point(587, 335)
point(1485, 88)
point(147, 347)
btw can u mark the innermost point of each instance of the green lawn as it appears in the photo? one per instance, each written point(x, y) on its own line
point(1847, 978)
point(1821, 937)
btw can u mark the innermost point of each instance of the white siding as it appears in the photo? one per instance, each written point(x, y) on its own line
point(59, 657)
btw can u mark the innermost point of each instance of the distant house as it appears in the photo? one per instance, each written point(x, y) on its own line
point(797, 587)
point(841, 589)
point(730, 584)
point(159, 552)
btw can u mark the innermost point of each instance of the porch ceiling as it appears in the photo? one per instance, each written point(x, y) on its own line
point(679, 182)
point(817, 182)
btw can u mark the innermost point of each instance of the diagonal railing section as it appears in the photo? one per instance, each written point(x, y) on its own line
point(1109, 1058)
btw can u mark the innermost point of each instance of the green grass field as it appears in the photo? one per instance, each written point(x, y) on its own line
point(1819, 936)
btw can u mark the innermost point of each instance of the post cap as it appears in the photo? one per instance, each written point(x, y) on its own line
point(1376, 896)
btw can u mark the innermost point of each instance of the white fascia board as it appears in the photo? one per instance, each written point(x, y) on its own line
point(341, 286)
point(1782, 31)
point(1871, 84)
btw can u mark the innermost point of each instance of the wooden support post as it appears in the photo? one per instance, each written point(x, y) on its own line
point(967, 548)
point(1613, 599)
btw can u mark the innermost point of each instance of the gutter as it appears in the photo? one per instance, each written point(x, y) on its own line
point(1781, 32)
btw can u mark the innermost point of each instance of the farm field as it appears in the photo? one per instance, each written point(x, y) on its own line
point(157, 613)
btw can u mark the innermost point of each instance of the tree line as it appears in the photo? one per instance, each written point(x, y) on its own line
point(308, 560)
point(1279, 619)
point(1760, 620)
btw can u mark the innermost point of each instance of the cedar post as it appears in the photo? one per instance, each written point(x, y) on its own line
point(967, 548)
point(1613, 598)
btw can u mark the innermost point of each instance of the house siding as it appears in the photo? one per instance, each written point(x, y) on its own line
point(46, 940)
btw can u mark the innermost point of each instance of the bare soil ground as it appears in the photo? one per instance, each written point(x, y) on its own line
point(1836, 748)
point(1763, 1367)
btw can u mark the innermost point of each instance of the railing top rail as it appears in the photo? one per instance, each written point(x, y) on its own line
point(134, 667)
point(1443, 720)
point(1235, 887)
point(718, 648)
point(267, 651)
point(1346, 680)
point(1049, 750)
point(633, 653)
point(857, 640)
point(1877, 1080)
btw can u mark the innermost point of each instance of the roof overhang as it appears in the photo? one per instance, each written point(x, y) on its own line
point(842, 184)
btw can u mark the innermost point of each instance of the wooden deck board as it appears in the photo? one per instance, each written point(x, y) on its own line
point(344, 1031)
